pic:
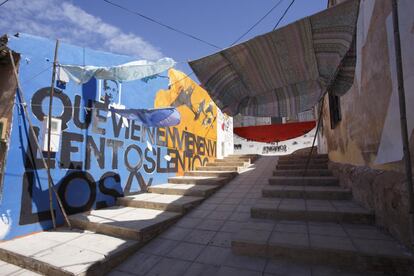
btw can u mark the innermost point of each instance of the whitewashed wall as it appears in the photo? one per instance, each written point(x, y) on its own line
point(224, 135)
point(242, 146)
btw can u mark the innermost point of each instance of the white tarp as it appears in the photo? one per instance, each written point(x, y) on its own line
point(130, 71)
point(366, 9)
point(391, 148)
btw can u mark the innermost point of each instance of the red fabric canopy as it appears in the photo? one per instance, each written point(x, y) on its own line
point(275, 132)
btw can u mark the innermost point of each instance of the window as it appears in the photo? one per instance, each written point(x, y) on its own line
point(334, 110)
point(2, 130)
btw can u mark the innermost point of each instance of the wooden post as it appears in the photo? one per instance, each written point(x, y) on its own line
point(36, 141)
point(49, 133)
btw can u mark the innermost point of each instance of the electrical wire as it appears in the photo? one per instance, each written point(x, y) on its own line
point(283, 15)
point(245, 33)
point(187, 34)
point(36, 75)
point(257, 23)
point(4, 2)
point(163, 24)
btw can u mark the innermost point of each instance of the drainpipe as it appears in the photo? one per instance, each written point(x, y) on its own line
point(403, 119)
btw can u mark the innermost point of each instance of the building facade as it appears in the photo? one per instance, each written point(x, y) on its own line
point(97, 155)
point(361, 129)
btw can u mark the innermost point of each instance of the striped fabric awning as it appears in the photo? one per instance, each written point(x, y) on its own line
point(286, 71)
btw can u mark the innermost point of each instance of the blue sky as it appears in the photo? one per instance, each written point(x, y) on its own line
point(98, 25)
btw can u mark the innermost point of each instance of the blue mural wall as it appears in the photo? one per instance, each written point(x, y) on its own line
point(99, 157)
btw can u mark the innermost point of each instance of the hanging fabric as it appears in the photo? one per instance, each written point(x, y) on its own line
point(275, 132)
point(130, 71)
point(157, 117)
point(286, 71)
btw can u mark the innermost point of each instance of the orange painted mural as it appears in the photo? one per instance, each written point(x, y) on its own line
point(196, 135)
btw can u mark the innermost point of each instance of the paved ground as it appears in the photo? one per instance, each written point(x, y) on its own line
point(199, 244)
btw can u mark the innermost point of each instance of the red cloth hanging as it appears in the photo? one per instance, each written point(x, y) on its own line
point(275, 132)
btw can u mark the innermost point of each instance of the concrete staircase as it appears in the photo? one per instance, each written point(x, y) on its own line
point(101, 239)
point(311, 219)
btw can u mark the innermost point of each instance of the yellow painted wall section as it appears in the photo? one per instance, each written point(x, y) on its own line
point(356, 138)
point(197, 109)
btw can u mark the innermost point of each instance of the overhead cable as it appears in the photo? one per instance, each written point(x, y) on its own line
point(283, 15)
point(245, 33)
point(4, 2)
point(163, 24)
point(258, 22)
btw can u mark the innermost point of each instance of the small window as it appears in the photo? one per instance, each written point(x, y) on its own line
point(2, 130)
point(334, 110)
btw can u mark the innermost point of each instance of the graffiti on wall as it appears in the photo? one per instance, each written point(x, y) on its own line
point(198, 113)
point(99, 155)
point(274, 149)
point(110, 145)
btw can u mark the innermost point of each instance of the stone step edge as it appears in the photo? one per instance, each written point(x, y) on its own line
point(340, 194)
point(141, 235)
point(303, 166)
point(301, 172)
point(292, 156)
point(343, 258)
point(317, 216)
point(98, 268)
point(228, 164)
point(220, 181)
point(229, 174)
point(303, 182)
point(228, 169)
point(186, 192)
point(171, 207)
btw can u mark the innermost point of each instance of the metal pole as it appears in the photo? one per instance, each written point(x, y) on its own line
point(49, 133)
point(29, 120)
point(316, 133)
point(403, 118)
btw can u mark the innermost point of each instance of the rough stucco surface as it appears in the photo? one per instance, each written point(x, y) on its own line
point(354, 142)
point(8, 86)
point(382, 191)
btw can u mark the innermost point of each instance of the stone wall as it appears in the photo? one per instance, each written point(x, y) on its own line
point(382, 191)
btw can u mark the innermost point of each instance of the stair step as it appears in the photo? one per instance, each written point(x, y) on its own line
point(304, 180)
point(229, 163)
point(184, 189)
point(360, 247)
point(302, 161)
point(341, 211)
point(302, 166)
point(225, 174)
point(251, 157)
point(198, 180)
point(125, 222)
point(310, 172)
point(307, 192)
point(304, 157)
point(67, 252)
point(173, 203)
point(221, 168)
point(238, 159)
point(224, 161)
